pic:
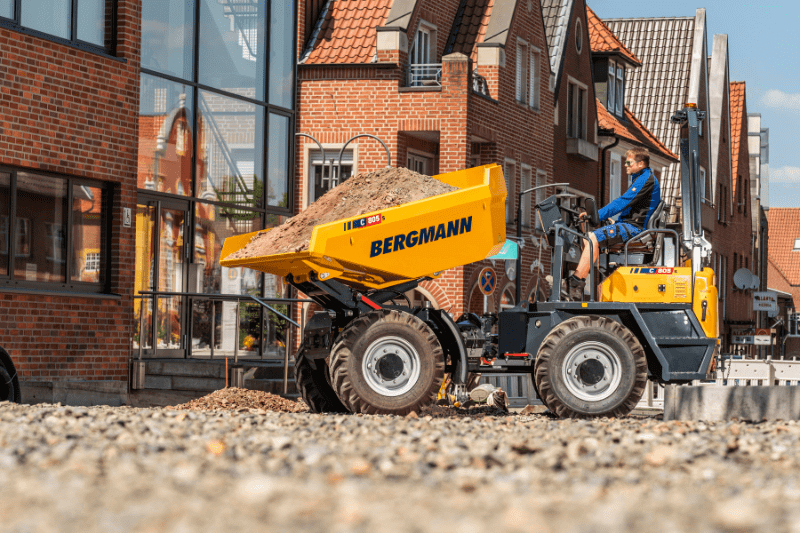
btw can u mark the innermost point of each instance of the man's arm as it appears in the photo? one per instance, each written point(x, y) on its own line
point(626, 199)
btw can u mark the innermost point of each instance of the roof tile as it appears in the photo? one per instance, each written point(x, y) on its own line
point(470, 28)
point(784, 229)
point(738, 120)
point(633, 131)
point(603, 39)
point(555, 14)
point(347, 34)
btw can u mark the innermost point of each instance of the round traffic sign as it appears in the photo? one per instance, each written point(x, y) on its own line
point(487, 281)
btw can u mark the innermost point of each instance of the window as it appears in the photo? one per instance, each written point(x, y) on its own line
point(422, 69)
point(525, 172)
point(578, 36)
point(796, 245)
point(88, 23)
point(421, 164)
point(324, 176)
point(576, 111)
point(615, 181)
point(510, 175)
point(528, 66)
point(620, 90)
point(612, 87)
point(56, 221)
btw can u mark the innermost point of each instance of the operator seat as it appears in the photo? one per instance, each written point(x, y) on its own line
point(641, 251)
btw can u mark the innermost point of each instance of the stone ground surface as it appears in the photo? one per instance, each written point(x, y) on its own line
point(151, 470)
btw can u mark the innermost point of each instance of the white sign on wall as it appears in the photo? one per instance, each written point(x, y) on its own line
point(765, 301)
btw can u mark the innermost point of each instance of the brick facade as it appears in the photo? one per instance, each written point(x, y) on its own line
point(456, 125)
point(72, 112)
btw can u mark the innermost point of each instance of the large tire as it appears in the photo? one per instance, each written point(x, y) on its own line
point(387, 362)
point(590, 366)
point(313, 386)
point(9, 382)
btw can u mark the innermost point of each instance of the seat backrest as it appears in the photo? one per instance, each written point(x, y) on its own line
point(656, 219)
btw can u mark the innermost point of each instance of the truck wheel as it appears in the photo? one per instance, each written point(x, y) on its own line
point(9, 382)
point(313, 385)
point(387, 362)
point(590, 366)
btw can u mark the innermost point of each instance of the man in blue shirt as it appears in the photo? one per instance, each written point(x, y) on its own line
point(635, 208)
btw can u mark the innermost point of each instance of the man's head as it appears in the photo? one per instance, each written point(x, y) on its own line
point(636, 159)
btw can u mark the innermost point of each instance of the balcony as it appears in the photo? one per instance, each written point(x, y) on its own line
point(424, 75)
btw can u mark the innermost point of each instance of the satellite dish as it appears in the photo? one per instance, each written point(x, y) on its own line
point(755, 282)
point(743, 279)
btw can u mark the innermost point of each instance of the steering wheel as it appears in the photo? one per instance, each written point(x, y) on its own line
point(591, 211)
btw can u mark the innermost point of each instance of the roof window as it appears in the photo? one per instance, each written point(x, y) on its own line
point(796, 245)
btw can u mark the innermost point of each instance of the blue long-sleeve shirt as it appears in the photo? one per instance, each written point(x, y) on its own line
point(636, 206)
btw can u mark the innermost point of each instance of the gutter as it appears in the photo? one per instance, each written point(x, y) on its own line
point(605, 133)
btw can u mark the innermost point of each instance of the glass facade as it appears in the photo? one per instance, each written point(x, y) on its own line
point(48, 16)
point(217, 97)
point(79, 21)
point(92, 21)
point(7, 9)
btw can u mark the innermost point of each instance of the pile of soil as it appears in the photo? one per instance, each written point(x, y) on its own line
point(236, 399)
point(363, 193)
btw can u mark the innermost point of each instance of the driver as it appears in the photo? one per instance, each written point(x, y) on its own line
point(635, 208)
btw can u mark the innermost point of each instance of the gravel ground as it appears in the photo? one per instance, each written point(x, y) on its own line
point(153, 470)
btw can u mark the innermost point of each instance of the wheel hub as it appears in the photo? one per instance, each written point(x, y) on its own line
point(391, 366)
point(592, 371)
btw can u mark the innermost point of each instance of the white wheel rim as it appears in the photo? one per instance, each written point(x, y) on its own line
point(588, 358)
point(391, 366)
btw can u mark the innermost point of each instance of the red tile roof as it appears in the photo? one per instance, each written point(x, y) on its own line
point(633, 131)
point(602, 39)
point(472, 27)
point(784, 229)
point(738, 121)
point(347, 34)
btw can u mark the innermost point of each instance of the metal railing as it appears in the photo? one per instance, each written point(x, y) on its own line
point(424, 75)
point(292, 326)
point(479, 84)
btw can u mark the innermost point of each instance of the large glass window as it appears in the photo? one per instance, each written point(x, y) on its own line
point(232, 43)
point(279, 138)
point(230, 159)
point(80, 21)
point(165, 136)
point(41, 232)
point(57, 228)
point(53, 17)
point(88, 254)
point(168, 36)
point(5, 226)
point(281, 55)
point(7, 9)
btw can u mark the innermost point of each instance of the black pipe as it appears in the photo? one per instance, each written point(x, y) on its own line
point(603, 168)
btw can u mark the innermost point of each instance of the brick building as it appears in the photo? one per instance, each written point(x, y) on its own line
point(446, 85)
point(784, 270)
point(67, 170)
point(135, 135)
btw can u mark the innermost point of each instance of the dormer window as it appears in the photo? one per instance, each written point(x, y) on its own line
point(616, 88)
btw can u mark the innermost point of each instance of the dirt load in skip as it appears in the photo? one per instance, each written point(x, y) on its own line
point(363, 193)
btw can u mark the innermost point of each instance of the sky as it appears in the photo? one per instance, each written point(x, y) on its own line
point(764, 52)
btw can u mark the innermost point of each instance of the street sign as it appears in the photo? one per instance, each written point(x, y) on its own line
point(762, 340)
point(765, 301)
point(487, 281)
point(742, 339)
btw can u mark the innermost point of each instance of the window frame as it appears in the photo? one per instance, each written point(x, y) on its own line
point(578, 97)
point(8, 279)
point(15, 24)
point(527, 180)
point(313, 156)
point(527, 81)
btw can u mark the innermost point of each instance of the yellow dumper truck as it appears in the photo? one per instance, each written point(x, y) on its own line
point(370, 352)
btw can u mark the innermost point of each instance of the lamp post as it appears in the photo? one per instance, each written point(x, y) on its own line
point(519, 234)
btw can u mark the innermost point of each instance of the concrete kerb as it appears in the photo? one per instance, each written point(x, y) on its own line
point(714, 403)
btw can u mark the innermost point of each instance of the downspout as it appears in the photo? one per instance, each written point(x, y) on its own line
point(603, 133)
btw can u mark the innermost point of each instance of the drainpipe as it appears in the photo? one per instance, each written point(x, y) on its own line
point(605, 133)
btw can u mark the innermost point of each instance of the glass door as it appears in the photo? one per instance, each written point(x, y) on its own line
point(161, 259)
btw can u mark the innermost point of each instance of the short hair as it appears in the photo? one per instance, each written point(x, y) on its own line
point(639, 155)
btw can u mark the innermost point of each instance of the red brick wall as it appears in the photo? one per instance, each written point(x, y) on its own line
point(337, 102)
point(581, 173)
point(73, 112)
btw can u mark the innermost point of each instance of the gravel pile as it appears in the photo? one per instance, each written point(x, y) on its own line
point(243, 400)
point(363, 193)
point(125, 469)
